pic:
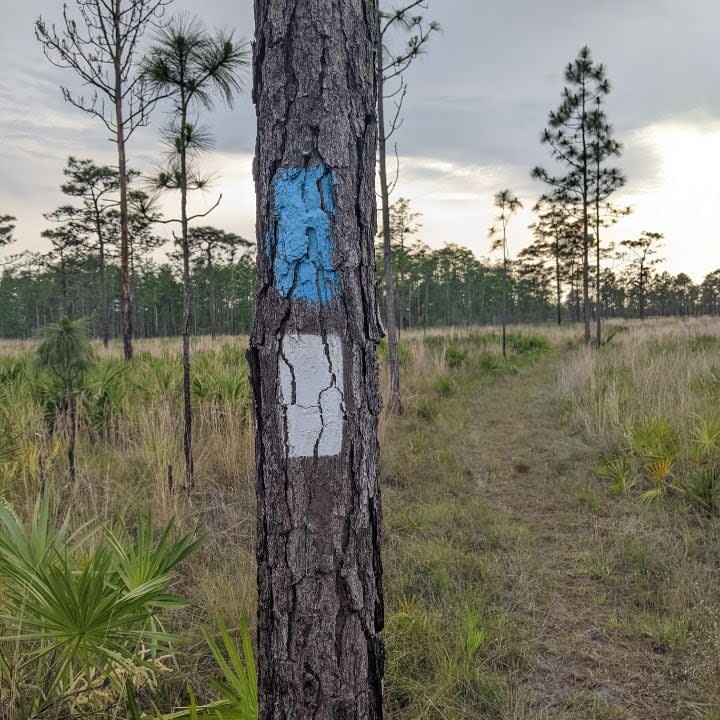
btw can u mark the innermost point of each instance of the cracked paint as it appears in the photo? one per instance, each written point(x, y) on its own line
point(300, 243)
point(310, 371)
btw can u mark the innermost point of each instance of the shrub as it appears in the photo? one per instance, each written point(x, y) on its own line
point(704, 342)
point(526, 344)
point(444, 386)
point(427, 410)
point(494, 364)
point(81, 616)
point(238, 688)
point(455, 356)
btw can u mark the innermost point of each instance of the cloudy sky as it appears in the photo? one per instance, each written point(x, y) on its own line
point(475, 109)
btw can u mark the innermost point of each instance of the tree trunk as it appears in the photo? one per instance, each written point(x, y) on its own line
point(104, 310)
point(187, 406)
point(641, 299)
point(395, 405)
point(313, 363)
point(126, 301)
point(63, 276)
point(211, 293)
point(71, 429)
point(558, 297)
point(598, 284)
point(586, 271)
point(586, 220)
point(504, 298)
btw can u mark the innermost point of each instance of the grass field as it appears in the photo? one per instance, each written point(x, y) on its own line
point(551, 546)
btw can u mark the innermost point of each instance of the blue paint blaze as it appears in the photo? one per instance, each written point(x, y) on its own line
point(300, 244)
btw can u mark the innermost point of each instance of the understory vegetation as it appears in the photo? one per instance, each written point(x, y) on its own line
point(493, 573)
point(199, 577)
point(648, 405)
point(650, 402)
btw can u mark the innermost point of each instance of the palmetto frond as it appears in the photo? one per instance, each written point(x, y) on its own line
point(660, 470)
point(706, 435)
point(80, 606)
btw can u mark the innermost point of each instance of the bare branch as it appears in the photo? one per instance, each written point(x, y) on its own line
point(393, 184)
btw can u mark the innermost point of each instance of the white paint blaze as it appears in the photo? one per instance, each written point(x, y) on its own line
point(310, 372)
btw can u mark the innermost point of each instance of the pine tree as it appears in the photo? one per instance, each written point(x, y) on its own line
point(191, 68)
point(100, 44)
point(65, 353)
point(570, 137)
point(508, 204)
point(390, 66)
point(7, 226)
point(313, 362)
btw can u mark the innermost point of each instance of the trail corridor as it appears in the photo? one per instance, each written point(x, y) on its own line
point(537, 475)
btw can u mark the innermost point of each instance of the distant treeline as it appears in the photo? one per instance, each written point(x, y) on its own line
point(445, 286)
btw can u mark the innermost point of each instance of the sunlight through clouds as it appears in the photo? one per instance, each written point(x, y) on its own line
point(680, 198)
point(683, 200)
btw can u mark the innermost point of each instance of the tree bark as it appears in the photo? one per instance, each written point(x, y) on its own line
point(598, 282)
point(71, 429)
point(211, 293)
point(313, 363)
point(395, 405)
point(187, 400)
point(105, 309)
point(586, 234)
point(558, 299)
point(126, 300)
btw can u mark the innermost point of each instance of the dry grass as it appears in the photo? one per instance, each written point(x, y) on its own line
point(127, 456)
point(648, 405)
point(518, 585)
point(651, 369)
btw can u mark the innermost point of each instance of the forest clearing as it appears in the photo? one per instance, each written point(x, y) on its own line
point(527, 575)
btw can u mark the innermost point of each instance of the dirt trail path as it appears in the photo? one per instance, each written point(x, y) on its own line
point(532, 471)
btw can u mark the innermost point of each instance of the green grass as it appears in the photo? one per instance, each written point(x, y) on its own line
point(452, 645)
point(511, 542)
point(453, 649)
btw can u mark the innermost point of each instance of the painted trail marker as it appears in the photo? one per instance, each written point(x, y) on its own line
point(300, 243)
point(310, 369)
point(311, 394)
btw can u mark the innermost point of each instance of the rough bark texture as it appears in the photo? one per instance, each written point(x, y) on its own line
point(320, 608)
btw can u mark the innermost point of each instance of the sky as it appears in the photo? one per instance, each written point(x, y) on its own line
point(476, 105)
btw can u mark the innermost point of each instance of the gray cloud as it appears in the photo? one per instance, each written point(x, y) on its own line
point(479, 99)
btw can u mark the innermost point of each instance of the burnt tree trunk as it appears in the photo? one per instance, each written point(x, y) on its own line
point(313, 362)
